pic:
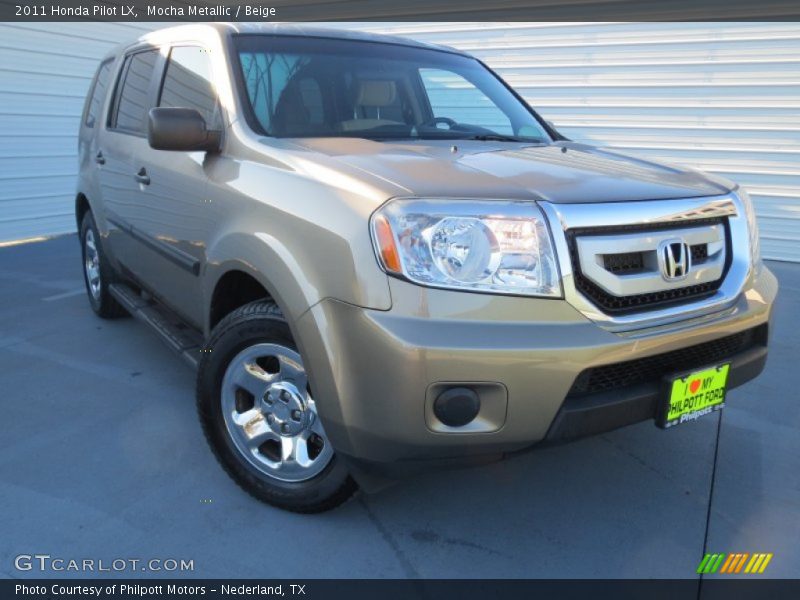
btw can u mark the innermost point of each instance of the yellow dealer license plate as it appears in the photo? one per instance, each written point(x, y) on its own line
point(692, 396)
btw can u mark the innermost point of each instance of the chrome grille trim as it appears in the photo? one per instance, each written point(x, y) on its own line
point(592, 248)
point(679, 213)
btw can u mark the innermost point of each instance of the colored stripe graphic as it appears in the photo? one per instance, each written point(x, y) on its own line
point(765, 563)
point(713, 564)
point(718, 562)
point(729, 563)
point(734, 563)
point(710, 563)
point(702, 567)
point(758, 562)
point(741, 562)
point(752, 562)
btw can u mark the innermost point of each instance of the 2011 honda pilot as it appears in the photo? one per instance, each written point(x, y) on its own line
point(380, 258)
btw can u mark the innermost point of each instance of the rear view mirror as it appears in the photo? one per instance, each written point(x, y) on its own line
point(181, 129)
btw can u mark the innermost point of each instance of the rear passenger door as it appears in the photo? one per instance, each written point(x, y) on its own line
point(178, 218)
point(89, 161)
point(119, 145)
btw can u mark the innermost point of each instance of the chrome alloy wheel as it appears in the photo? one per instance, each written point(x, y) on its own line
point(91, 264)
point(270, 415)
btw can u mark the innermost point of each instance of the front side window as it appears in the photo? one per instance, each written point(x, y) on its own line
point(319, 87)
point(98, 94)
point(188, 83)
point(132, 107)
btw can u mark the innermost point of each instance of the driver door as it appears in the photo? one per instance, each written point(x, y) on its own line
point(179, 218)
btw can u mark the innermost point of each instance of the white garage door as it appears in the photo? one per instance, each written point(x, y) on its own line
point(723, 97)
point(45, 70)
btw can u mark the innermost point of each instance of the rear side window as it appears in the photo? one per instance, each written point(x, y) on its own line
point(132, 106)
point(98, 94)
point(188, 83)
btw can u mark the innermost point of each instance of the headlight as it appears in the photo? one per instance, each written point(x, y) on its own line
point(752, 225)
point(484, 246)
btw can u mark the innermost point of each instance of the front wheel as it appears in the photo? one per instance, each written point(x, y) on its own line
point(258, 414)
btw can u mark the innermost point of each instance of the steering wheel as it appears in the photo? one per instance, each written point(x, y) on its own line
point(436, 120)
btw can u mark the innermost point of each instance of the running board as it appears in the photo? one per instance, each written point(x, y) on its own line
point(184, 340)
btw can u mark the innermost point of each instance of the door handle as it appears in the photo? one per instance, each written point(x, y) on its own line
point(99, 158)
point(142, 177)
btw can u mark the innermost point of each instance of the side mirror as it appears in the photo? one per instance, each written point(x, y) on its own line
point(181, 129)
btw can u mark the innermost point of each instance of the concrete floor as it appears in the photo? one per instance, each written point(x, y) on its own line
point(101, 456)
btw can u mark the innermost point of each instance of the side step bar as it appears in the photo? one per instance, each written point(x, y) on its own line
point(184, 340)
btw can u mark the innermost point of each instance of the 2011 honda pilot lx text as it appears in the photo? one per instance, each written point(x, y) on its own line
point(380, 258)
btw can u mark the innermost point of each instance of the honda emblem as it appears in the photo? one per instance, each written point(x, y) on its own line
point(675, 259)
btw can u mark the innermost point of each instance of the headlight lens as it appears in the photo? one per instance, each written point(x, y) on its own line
point(752, 225)
point(489, 246)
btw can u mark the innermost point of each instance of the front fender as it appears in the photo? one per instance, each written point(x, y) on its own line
point(271, 264)
point(267, 261)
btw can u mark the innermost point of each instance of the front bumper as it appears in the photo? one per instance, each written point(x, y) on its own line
point(372, 371)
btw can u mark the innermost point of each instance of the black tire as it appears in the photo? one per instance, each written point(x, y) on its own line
point(255, 323)
point(101, 300)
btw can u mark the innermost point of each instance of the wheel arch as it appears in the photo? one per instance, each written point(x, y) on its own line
point(233, 289)
point(257, 266)
point(82, 206)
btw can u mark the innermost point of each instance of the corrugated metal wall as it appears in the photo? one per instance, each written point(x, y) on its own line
point(723, 97)
point(45, 71)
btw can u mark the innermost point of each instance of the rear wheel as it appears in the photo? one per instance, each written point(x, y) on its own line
point(259, 416)
point(97, 273)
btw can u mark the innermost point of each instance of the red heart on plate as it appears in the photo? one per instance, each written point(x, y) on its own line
point(694, 386)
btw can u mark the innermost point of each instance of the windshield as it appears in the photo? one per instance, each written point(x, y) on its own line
point(319, 87)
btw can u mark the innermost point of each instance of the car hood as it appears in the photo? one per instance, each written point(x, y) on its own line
point(563, 172)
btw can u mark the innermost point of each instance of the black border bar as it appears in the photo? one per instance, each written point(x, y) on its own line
point(745, 588)
point(391, 10)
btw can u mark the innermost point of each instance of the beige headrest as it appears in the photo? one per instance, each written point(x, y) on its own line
point(376, 93)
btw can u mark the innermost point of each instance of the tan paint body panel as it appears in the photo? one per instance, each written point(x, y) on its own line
point(373, 367)
point(269, 221)
point(564, 172)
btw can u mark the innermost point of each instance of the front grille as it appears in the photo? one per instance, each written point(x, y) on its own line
point(621, 304)
point(632, 262)
point(699, 253)
point(626, 262)
point(653, 368)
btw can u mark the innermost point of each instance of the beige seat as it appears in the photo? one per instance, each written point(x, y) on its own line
point(375, 94)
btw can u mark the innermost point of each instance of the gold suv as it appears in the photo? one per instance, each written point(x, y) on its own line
point(379, 258)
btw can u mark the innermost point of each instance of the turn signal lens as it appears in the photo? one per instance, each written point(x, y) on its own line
point(386, 245)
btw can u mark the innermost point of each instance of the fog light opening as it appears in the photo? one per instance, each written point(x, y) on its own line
point(457, 406)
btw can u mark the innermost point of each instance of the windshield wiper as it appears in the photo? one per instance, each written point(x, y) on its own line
point(494, 137)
